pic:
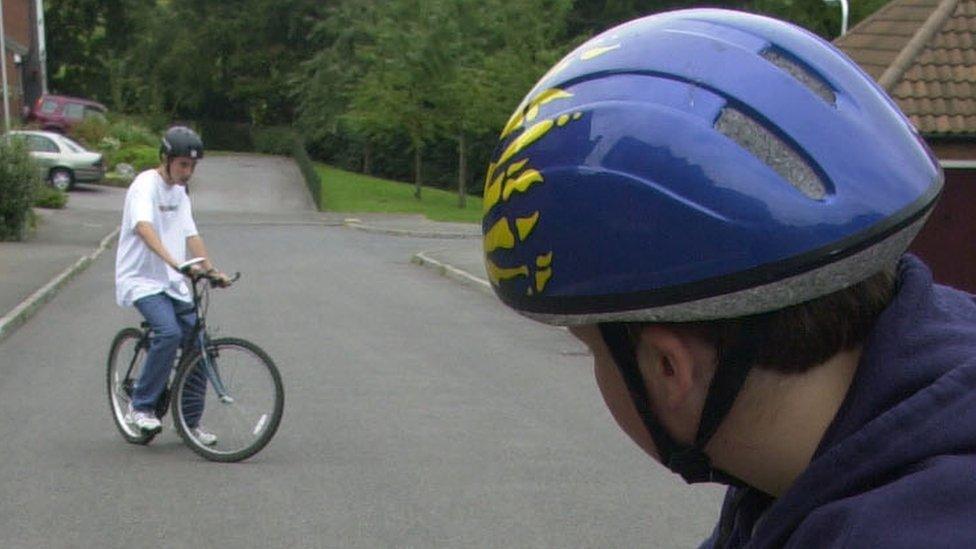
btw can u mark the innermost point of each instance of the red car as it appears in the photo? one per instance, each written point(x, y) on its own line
point(59, 113)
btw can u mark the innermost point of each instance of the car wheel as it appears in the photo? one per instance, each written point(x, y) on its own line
point(62, 179)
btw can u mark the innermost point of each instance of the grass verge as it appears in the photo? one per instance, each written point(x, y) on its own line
point(344, 191)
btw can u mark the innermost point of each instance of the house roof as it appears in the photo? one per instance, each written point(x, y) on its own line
point(923, 52)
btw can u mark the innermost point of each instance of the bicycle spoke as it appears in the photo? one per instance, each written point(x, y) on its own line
point(243, 424)
point(126, 356)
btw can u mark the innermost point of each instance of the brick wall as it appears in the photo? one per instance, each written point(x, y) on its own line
point(18, 28)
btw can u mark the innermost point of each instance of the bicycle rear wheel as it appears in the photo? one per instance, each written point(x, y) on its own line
point(125, 359)
point(238, 398)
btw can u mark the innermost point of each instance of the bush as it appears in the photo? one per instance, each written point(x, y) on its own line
point(115, 180)
point(19, 183)
point(128, 131)
point(49, 197)
point(90, 132)
point(226, 136)
point(278, 140)
point(140, 157)
point(121, 139)
point(307, 167)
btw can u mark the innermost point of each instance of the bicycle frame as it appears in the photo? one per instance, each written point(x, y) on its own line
point(199, 334)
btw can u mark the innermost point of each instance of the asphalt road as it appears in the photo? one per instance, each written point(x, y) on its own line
point(419, 412)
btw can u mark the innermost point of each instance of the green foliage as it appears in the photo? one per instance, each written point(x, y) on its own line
point(368, 83)
point(122, 139)
point(129, 131)
point(226, 136)
point(89, 44)
point(49, 197)
point(814, 15)
point(115, 180)
point(309, 171)
point(395, 77)
point(277, 140)
point(19, 184)
point(140, 157)
point(91, 131)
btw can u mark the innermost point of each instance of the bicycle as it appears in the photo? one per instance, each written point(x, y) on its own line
point(236, 378)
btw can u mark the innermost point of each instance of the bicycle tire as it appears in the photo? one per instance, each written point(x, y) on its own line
point(244, 426)
point(120, 388)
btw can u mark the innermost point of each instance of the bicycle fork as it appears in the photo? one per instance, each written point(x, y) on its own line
point(210, 369)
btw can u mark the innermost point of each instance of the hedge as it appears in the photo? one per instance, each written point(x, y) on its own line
point(19, 184)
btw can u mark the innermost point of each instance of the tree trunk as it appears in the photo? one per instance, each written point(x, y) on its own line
point(416, 172)
point(462, 170)
point(368, 157)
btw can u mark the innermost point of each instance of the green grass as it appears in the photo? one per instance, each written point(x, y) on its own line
point(344, 191)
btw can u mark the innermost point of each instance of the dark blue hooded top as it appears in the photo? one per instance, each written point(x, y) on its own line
point(897, 466)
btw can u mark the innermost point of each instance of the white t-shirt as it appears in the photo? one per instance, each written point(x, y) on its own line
point(138, 271)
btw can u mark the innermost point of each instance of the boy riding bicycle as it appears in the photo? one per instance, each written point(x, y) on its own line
point(157, 232)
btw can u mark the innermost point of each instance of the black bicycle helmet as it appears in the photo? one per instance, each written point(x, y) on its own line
point(180, 141)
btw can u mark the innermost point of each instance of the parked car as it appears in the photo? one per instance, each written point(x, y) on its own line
point(61, 160)
point(59, 113)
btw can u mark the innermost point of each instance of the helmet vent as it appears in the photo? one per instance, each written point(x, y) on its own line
point(771, 150)
point(806, 77)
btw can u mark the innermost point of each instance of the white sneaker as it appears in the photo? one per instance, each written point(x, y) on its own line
point(205, 438)
point(145, 421)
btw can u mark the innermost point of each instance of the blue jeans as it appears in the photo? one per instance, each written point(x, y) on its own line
point(171, 322)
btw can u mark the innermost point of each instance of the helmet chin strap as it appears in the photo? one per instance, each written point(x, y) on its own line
point(690, 462)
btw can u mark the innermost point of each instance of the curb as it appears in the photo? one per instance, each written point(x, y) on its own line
point(360, 226)
point(464, 277)
point(26, 309)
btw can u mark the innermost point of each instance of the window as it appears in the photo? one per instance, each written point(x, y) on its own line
point(74, 111)
point(38, 143)
point(73, 146)
point(49, 106)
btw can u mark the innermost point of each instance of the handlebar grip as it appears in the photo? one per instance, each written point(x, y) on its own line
point(214, 281)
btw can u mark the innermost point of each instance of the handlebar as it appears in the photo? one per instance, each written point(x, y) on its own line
point(197, 275)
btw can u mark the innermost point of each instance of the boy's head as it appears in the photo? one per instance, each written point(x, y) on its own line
point(179, 150)
point(712, 178)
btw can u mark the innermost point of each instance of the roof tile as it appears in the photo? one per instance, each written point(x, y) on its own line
point(937, 86)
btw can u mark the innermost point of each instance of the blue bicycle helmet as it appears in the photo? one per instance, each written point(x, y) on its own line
point(699, 164)
point(696, 165)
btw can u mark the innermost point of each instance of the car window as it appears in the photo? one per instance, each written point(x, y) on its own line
point(49, 106)
point(74, 111)
point(72, 145)
point(39, 143)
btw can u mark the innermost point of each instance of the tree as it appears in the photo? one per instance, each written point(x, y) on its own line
point(325, 84)
point(84, 35)
point(497, 47)
point(406, 62)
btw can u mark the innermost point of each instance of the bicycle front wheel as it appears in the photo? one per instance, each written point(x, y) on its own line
point(125, 359)
point(227, 402)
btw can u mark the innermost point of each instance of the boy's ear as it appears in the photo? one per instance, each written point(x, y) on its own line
point(667, 362)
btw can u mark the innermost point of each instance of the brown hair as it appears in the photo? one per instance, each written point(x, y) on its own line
point(796, 338)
